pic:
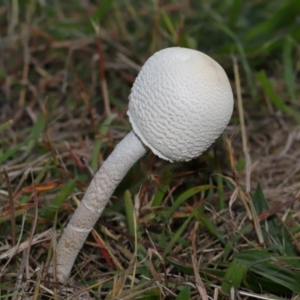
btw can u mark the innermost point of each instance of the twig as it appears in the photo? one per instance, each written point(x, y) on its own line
point(15, 249)
point(39, 238)
point(26, 36)
point(155, 30)
point(12, 208)
point(124, 59)
point(103, 82)
point(242, 122)
point(34, 222)
point(66, 68)
point(47, 135)
point(38, 285)
point(84, 95)
point(199, 283)
point(14, 18)
point(246, 150)
point(26, 58)
point(20, 275)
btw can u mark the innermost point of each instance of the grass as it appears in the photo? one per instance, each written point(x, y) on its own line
point(224, 226)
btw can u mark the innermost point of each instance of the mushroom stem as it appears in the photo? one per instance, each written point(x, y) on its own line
point(105, 181)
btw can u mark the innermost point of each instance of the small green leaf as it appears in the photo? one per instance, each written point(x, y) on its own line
point(103, 8)
point(64, 193)
point(184, 294)
point(240, 164)
point(2, 74)
point(234, 276)
point(162, 239)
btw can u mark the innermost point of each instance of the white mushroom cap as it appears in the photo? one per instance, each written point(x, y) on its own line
point(180, 103)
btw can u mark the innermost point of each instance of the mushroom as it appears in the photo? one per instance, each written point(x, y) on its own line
point(179, 104)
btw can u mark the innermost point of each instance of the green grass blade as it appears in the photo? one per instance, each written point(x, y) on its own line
point(270, 92)
point(282, 18)
point(242, 56)
point(275, 235)
point(208, 225)
point(274, 269)
point(289, 74)
point(177, 235)
point(99, 142)
point(234, 13)
point(129, 210)
point(6, 155)
point(161, 191)
point(5, 125)
point(35, 132)
point(63, 195)
point(233, 240)
point(186, 195)
point(162, 239)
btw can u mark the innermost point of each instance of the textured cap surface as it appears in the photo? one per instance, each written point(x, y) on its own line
point(180, 103)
